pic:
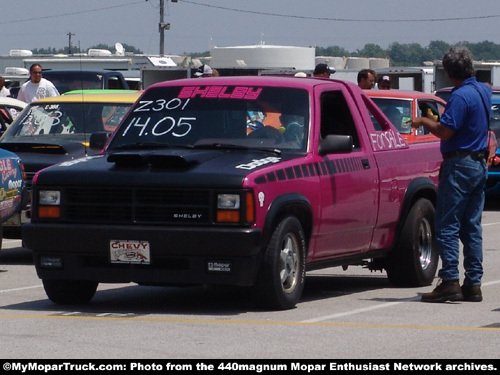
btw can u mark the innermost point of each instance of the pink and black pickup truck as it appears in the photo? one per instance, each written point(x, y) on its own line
point(246, 181)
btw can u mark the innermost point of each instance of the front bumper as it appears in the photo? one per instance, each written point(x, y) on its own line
point(179, 255)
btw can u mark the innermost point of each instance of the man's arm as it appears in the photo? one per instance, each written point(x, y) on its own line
point(52, 90)
point(434, 127)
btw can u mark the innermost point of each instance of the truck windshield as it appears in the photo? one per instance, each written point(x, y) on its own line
point(199, 116)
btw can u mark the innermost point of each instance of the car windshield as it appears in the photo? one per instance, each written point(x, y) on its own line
point(217, 116)
point(65, 119)
point(398, 111)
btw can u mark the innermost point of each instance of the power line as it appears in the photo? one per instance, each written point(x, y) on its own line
point(340, 19)
point(261, 14)
point(38, 18)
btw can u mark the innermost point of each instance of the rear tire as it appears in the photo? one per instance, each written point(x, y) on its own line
point(414, 260)
point(70, 292)
point(281, 278)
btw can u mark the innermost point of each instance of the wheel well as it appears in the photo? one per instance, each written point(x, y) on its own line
point(417, 189)
point(289, 204)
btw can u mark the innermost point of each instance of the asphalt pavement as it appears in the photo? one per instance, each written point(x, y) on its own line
point(352, 314)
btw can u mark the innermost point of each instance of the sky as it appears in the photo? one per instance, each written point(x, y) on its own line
point(198, 25)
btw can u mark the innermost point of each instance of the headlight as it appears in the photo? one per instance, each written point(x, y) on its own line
point(49, 197)
point(49, 204)
point(228, 201)
point(235, 208)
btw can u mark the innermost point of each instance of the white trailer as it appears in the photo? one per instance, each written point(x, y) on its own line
point(410, 78)
point(485, 72)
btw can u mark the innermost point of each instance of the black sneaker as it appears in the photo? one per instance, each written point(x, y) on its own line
point(445, 291)
point(472, 293)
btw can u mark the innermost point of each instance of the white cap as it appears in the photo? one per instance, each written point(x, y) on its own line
point(202, 70)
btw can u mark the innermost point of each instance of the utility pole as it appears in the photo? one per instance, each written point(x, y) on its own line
point(69, 43)
point(163, 26)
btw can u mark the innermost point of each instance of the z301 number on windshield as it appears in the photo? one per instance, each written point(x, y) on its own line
point(179, 127)
point(160, 105)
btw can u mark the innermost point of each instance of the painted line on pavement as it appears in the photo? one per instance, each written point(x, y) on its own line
point(490, 224)
point(23, 288)
point(380, 306)
point(247, 322)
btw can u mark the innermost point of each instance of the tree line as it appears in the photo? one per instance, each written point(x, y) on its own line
point(412, 54)
point(73, 49)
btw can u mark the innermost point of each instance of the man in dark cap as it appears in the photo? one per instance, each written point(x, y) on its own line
point(323, 71)
point(384, 83)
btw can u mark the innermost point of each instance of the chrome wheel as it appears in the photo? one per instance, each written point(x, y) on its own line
point(425, 244)
point(289, 263)
point(281, 278)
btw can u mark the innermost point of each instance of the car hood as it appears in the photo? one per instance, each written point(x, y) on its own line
point(172, 167)
point(36, 155)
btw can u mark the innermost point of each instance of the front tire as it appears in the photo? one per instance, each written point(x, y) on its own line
point(414, 260)
point(281, 278)
point(70, 292)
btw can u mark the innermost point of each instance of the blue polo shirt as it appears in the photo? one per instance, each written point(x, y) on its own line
point(465, 114)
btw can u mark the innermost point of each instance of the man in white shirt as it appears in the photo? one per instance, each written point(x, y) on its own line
point(4, 91)
point(37, 87)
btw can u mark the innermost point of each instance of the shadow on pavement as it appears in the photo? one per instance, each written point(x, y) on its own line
point(135, 300)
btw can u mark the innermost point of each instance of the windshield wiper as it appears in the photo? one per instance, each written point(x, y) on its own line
point(231, 146)
point(140, 145)
point(220, 145)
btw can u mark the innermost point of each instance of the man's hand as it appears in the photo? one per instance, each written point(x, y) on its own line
point(432, 126)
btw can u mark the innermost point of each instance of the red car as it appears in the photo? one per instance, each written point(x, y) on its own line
point(400, 106)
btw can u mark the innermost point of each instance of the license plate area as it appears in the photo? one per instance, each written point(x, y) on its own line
point(129, 252)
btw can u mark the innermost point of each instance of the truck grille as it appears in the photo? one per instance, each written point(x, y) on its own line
point(136, 205)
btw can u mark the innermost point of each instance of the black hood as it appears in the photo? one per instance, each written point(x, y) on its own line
point(170, 167)
point(36, 155)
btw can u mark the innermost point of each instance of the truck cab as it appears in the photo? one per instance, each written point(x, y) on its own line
point(67, 80)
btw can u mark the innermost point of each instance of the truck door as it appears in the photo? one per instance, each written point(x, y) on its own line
point(348, 185)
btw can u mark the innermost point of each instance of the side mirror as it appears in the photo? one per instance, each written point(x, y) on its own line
point(98, 140)
point(335, 144)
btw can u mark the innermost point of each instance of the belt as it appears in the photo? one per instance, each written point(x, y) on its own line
point(478, 155)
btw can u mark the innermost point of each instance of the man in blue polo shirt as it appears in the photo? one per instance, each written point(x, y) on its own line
point(463, 130)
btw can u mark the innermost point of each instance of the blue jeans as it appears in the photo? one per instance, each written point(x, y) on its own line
point(458, 217)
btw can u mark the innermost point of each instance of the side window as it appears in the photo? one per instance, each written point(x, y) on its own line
point(398, 112)
point(114, 82)
point(430, 109)
point(375, 123)
point(336, 117)
point(379, 123)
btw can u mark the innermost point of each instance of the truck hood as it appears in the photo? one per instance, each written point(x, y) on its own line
point(170, 167)
point(36, 155)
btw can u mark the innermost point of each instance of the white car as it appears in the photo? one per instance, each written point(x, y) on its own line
point(10, 108)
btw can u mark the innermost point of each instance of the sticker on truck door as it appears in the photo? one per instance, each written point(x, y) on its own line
point(129, 251)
